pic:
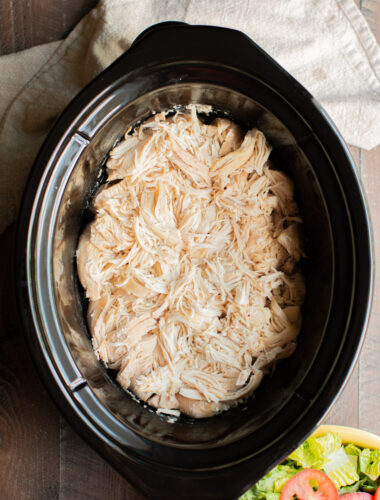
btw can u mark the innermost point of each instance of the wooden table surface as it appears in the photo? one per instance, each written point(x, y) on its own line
point(41, 457)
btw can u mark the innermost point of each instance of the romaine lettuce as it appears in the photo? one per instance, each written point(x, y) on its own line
point(369, 463)
point(340, 469)
point(270, 486)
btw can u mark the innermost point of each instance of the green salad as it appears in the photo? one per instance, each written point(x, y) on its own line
point(351, 469)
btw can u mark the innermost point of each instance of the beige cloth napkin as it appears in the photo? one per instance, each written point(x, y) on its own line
point(325, 44)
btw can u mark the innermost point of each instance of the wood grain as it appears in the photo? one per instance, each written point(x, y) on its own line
point(100, 481)
point(369, 371)
point(25, 23)
point(371, 11)
point(29, 422)
point(345, 410)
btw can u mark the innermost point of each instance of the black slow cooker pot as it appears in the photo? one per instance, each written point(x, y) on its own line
point(220, 457)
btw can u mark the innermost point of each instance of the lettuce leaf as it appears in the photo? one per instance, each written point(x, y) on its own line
point(327, 453)
point(364, 460)
point(260, 495)
point(250, 495)
point(325, 446)
point(368, 486)
point(315, 452)
point(352, 449)
point(270, 486)
point(374, 469)
point(365, 484)
point(351, 488)
point(340, 468)
point(275, 480)
point(355, 461)
point(272, 496)
point(303, 456)
point(369, 463)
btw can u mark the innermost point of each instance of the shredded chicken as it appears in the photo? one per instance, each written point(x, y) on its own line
point(190, 265)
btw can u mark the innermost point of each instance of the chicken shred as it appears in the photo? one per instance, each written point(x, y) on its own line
point(190, 265)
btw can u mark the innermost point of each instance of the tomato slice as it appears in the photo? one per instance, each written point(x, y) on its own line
point(376, 496)
point(300, 487)
point(357, 496)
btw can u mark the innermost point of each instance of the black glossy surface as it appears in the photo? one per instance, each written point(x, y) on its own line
point(218, 457)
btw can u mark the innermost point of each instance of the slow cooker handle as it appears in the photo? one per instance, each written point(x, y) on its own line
point(173, 41)
point(155, 27)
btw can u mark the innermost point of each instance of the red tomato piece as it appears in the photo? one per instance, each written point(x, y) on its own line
point(376, 496)
point(300, 487)
point(356, 496)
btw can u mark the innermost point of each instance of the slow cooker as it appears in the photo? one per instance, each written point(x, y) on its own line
point(169, 65)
